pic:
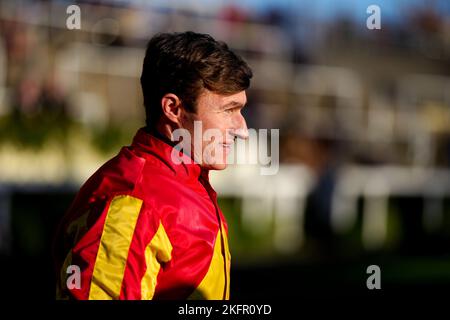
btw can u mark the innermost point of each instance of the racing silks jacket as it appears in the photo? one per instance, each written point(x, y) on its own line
point(144, 227)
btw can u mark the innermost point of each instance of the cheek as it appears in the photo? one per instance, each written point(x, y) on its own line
point(220, 122)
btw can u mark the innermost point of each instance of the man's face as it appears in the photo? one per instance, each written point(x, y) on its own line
point(221, 122)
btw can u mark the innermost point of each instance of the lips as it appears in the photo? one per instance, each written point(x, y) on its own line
point(228, 142)
point(227, 147)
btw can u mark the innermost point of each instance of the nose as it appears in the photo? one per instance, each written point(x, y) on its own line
point(241, 130)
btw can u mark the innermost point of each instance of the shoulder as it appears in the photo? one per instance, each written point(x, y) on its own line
point(119, 175)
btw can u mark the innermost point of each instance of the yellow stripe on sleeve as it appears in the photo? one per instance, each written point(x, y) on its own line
point(213, 284)
point(159, 250)
point(115, 243)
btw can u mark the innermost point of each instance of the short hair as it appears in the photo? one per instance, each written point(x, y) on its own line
point(185, 64)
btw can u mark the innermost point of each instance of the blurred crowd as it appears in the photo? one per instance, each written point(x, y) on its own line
point(334, 88)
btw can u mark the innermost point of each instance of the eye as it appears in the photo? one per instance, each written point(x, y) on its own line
point(232, 110)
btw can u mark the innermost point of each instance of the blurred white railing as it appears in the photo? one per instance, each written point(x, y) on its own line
point(280, 199)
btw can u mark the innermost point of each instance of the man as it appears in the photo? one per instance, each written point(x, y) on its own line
point(147, 224)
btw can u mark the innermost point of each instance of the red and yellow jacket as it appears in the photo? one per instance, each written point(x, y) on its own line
point(144, 227)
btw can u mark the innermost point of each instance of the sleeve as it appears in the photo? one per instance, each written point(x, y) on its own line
point(121, 253)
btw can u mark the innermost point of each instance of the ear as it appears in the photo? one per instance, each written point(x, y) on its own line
point(171, 107)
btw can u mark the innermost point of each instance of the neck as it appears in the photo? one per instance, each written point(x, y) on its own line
point(162, 132)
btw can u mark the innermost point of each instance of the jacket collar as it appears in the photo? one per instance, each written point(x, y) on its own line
point(162, 148)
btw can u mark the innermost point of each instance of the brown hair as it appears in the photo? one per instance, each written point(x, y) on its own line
point(186, 63)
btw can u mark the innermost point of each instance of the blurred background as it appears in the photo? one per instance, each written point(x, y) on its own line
point(364, 120)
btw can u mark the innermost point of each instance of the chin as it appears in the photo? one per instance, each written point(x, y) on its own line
point(215, 166)
point(221, 166)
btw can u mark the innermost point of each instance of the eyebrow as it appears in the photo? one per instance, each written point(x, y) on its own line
point(233, 104)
